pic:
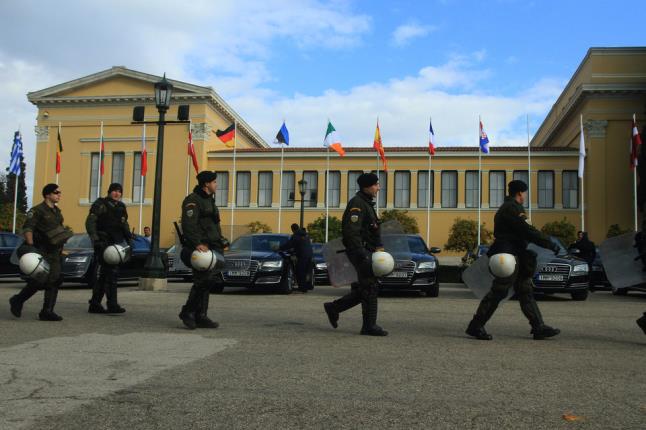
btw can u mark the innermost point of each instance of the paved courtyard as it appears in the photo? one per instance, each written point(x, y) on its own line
point(276, 363)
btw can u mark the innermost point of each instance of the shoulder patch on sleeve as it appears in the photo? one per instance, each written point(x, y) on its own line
point(189, 205)
point(355, 210)
point(30, 214)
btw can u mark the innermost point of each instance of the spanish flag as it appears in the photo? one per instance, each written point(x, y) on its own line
point(59, 149)
point(227, 135)
point(379, 147)
point(332, 139)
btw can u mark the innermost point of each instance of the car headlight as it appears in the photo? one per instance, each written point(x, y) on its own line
point(76, 259)
point(583, 268)
point(321, 266)
point(272, 264)
point(426, 266)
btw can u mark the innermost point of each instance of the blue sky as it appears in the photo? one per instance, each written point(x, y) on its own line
point(310, 60)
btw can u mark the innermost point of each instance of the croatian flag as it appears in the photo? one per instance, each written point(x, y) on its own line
point(431, 138)
point(484, 140)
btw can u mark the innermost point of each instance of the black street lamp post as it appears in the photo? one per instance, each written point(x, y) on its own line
point(302, 186)
point(154, 267)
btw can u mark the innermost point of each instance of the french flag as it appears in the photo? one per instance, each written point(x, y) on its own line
point(431, 138)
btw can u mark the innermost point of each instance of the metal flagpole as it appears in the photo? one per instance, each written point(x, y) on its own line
point(235, 192)
point(529, 173)
point(378, 193)
point(635, 193)
point(280, 191)
point(59, 133)
point(479, 180)
point(189, 156)
point(327, 195)
point(428, 204)
point(98, 183)
point(582, 182)
point(143, 178)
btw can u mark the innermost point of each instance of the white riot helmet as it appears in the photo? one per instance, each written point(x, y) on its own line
point(116, 254)
point(34, 266)
point(209, 260)
point(382, 263)
point(502, 265)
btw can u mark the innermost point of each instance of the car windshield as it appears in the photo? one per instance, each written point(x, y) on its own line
point(79, 241)
point(10, 240)
point(317, 248)
point(140, 244)
point(417, 245)
point(258, 243)
point(557, 242)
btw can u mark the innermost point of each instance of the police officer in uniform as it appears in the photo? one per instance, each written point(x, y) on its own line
point(201, 231)
point(44, 233)
point(107, 224)
point(361, 237)
point(512, 234)
point(301, 245)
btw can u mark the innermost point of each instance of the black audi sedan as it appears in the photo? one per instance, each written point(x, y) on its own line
point(79, 264)
point(8, 242)
point(415, 269)
point(253, 261)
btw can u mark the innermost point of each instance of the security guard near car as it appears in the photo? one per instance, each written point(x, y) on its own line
point(512, 234)
point(45, 234)
point(202, 232)
point(361, 237)
point(301, 245)
point(107, 224)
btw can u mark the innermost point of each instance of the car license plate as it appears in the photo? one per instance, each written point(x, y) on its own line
point(557, 278)
point(398, 275)
point(238, 273)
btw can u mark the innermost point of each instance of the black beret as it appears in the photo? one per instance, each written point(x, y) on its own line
point(206, 176)
point(115, 186)
point(367, 180)
point(49, 188)
point(516, 186)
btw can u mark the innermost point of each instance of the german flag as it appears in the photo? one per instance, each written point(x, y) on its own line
point(227, 135)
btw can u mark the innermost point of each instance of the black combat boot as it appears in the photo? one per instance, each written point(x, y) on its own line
point(332, 314)
point(201, 318)
point(47, 313)
point(16, 302)
point(187, 314)
point(111, 295)
point(369, 308)
point(530, 308)
point(98, 291)
point(641, 322)
point(96, 308)
point(477, 330)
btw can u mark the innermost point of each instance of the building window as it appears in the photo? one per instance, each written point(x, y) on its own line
point(243, 189)
point(353, 187)
point(265, 189)
point(424, 193)
point(450, 189)
point(471, 188)
point(545, 189)
point(138, 186)
point(287, 190)
point(570, 189)
point(402, 189)
point(118, 163)
point(496, 189)
point(311, 189)
point(222, 192)
point(383, 184)
point(523, 175)
point(94, 176)
point(334, 189)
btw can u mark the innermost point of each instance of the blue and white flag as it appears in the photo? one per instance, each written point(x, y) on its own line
point(484, 140)
point(283, 135)
point(16, 154)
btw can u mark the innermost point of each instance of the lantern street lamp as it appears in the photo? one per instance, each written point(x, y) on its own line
point(302, 187)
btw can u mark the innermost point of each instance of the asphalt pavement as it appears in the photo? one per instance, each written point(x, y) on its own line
point(276, 363)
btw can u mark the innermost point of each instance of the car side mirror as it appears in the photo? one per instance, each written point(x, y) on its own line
point(435, 250)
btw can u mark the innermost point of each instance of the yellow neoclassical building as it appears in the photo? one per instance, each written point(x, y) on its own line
point(608, 87)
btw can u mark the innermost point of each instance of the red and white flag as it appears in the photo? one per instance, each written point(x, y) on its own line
point(144, 154)
point(191, 151)
point(635, 144)
point(431, 138)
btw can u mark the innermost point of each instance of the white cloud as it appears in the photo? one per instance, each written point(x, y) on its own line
point(405, 33)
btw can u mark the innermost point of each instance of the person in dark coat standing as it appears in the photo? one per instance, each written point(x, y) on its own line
point(587, 249)
point(301, 245)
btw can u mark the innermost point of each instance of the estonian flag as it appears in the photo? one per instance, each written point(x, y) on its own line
point(283, 135)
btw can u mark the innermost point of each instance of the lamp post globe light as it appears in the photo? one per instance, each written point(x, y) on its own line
point(154, 267)
point(302, 186)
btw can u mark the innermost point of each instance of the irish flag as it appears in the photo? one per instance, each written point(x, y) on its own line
point(332, 139)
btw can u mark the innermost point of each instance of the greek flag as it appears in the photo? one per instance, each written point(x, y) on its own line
point(16, 154)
